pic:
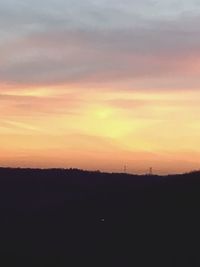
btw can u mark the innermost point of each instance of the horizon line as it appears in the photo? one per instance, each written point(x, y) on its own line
point(95, 171)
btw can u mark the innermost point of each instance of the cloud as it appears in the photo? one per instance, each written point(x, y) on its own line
point(98, 41)
point(78, 57)
point(37, 103)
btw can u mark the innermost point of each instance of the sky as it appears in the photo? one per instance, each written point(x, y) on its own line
point(98, 84)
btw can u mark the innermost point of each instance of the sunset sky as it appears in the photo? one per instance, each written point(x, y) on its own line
point(98, 84)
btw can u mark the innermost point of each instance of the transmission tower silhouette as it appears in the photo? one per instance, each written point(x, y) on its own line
point(125, 168)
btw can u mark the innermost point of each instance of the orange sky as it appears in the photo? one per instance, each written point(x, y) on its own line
point(99, 84)
point(61, 126)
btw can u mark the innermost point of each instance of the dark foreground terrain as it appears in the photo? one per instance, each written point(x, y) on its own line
point(76, 218)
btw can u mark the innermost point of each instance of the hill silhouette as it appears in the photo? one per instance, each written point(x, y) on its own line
point(71, 217)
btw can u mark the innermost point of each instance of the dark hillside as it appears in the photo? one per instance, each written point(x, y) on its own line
point(78, 218)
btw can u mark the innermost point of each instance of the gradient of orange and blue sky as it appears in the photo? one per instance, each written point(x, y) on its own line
point(97, 84)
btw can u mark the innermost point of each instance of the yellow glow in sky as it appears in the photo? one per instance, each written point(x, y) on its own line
point(91, 130)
